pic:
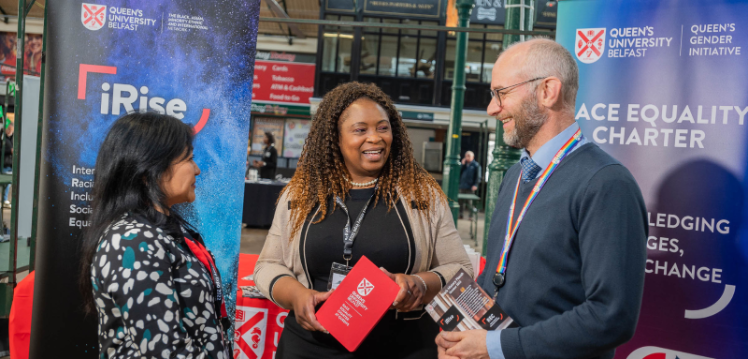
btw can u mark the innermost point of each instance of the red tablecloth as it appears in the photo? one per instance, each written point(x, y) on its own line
point(19, 327)
point(259, 322)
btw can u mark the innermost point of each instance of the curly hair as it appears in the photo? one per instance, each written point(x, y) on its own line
point(321, 171)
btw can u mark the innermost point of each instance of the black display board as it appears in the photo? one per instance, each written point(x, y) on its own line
point(491, 12)
point(546, 11)
point(191, 59)
point(415, 8)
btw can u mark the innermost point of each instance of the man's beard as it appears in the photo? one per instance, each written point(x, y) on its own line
point(527, 122)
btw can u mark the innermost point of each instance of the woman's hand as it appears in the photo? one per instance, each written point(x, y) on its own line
point(411, 292)
point(303, 307)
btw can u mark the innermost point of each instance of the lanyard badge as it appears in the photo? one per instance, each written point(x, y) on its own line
point(499, 277)
point(337, 273)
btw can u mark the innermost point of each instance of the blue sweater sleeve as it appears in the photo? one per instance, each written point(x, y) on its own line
point(612, 232)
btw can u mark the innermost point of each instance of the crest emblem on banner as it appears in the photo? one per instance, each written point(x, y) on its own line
point(365, 287)
point(93, 16)
point(661, 353)
point(589, 44)
point(250, 335)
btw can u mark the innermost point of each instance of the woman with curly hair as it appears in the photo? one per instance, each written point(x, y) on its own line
point(358, 191)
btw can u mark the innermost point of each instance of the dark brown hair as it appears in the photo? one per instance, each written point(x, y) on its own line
point(321, 171)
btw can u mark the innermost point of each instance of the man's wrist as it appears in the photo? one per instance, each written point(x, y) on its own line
point(493, 344)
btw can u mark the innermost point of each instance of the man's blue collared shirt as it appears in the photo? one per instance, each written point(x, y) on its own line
point(543, 157)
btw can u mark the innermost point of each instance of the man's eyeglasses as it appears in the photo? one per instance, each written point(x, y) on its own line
point(499, 94)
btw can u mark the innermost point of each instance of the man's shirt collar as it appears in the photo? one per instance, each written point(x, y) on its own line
point(544, 155)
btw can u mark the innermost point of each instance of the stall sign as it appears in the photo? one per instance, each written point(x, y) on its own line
point(285, 82)
point(285, 57)
point(340, 5)
point(418, 8)
point(418, 116)
point(280, 109)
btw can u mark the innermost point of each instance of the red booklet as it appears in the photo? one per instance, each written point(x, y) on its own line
point(357, 304)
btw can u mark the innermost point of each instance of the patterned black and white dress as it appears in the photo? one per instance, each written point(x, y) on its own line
point(153, 296)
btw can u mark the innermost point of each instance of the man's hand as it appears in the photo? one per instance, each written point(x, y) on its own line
point(470, 344)
point(474, 188)
point(443, 354)
point(464, 160)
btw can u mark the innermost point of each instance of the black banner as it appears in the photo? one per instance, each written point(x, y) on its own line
point(191, 59)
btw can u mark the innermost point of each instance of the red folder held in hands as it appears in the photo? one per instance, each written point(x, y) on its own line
point(359, 302)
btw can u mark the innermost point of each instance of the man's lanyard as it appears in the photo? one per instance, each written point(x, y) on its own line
point(511, 228)
point(204, 256)
point(349, 234)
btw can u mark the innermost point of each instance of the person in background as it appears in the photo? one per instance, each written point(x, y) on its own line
point(269, 157)
point(470, 173)
point(246, 172)
point(574, 275)
point(357, 166)
point(33, 57)
point(145, 270)
point(8, 159)
point(8, 54)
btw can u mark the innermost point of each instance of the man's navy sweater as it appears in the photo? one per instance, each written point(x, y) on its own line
point(575, 273)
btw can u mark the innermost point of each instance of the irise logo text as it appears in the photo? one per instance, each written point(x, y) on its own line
point(125, 95)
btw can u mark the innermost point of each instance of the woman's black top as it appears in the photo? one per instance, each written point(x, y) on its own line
point(270, 157)
point(154, 298)
point(8, 144)
point(386, 239)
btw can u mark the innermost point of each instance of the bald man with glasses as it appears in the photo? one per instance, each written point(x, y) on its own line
point(567, 243)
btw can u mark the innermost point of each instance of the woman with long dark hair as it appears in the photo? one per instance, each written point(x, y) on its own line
point(269, 157)
point(357, 166)
point(145, 269)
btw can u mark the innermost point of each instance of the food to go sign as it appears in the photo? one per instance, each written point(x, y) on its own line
point(281, 78)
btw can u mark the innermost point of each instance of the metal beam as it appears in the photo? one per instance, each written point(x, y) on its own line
point(451, 180)
point(5, 14)
point(405, 26)
point(17, 144)
point(519, 15)
point(39, 138)
point(28, 7)
point(278, 11)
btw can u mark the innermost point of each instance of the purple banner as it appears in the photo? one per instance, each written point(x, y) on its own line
point(663, 89)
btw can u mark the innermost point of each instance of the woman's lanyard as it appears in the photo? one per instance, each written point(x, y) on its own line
point(511, 228)
point(350, 233)
point(204, 256)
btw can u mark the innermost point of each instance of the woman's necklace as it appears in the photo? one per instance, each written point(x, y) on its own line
point(365, 184)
